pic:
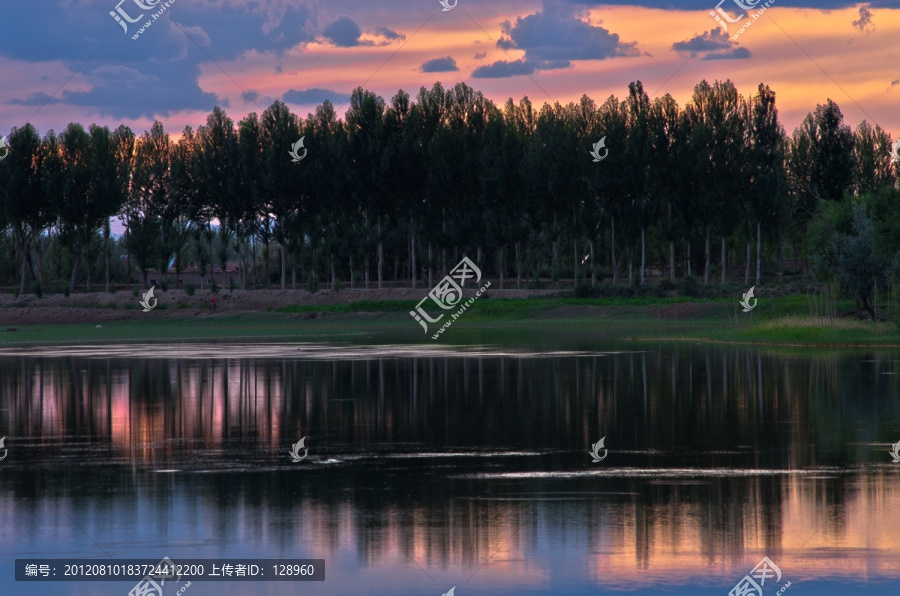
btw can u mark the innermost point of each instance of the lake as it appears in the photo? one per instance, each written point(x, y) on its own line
point(431, 468)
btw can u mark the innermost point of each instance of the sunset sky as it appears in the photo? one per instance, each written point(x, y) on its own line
point(70, 60)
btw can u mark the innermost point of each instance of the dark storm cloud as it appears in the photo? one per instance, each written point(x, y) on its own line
point(711, 45)
point(864, 23)
point(503, 69)
point(314, 96)
point(389, 34)
point(344, 33)
point(552, 38)
point(711, 4)
point(157, 74)
point(446, 64)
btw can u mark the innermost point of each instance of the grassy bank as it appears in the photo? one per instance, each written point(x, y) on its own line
point(783, 320)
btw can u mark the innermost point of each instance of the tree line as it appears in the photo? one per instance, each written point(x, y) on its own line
point(403, 190)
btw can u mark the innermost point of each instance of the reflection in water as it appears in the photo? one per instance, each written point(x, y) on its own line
point(465, 467)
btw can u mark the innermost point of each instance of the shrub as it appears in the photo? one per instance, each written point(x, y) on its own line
point(213, 285)
point(585, 290)
point(536, 283)
point(666, 284)
point(135, 290)
point(190, 288)
point(164, 285)
point(66, 290)
point(231, 284)
point(312, 282)
point(689, 287)
point(36, 289)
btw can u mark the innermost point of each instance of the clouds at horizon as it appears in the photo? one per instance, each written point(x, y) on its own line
point(83, 67)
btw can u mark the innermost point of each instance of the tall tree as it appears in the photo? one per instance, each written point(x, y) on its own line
point(716, 116)
point(218, 175)
point(821, 161)
point(24, 204)
point(280, 177)
point(872, 154)
point(68, 179)
point(766, 178)
point(365, 128)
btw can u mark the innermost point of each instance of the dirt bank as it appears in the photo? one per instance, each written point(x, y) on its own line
point(102, 306)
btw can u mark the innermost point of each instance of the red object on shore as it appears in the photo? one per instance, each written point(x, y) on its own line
point(212, 304)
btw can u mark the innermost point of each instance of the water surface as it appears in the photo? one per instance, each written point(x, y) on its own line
point(466, 467)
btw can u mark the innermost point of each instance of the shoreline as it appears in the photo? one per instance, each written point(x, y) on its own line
point(364, 315)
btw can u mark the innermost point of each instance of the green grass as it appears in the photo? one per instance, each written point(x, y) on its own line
point(781, 320)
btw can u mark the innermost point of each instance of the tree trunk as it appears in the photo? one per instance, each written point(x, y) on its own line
point(593, 269)
point(333, 275)
point(865, 303)
point(283, 263)
point(724, 268)
point(106, 253)
point(413, 273)
point(672, 260)
point(430, 266)
point(128, 259)
point(500, 264)
point(24, 269)
point(706, 259)
point(576, 261)
point(87, 267)
point(615, 265)
point(380, 252)
point(758, 248)
point(688, 258)
point(780, 251)
point(518, 269)
point(41, 250)
point(555, 273)
point(352, 281)
point(79, 245)
point(444, 249)
point(643, 255)
point(293, 274)
point(747, 266)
